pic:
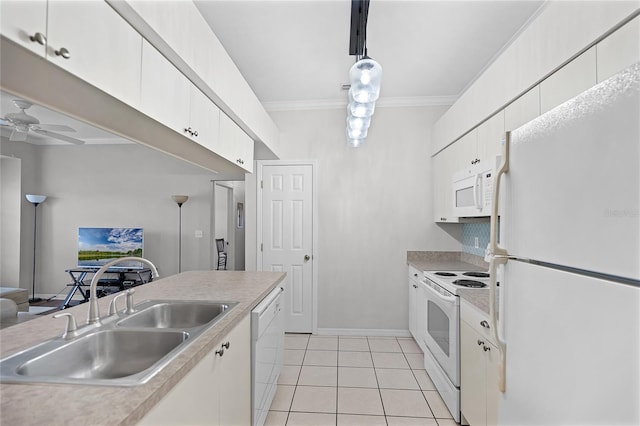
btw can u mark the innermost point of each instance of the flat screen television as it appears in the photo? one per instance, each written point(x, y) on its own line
point(97, 246)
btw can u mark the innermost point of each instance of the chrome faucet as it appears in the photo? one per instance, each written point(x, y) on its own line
point(94, 311)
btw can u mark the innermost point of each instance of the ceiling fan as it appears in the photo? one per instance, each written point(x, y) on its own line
point(22, 123)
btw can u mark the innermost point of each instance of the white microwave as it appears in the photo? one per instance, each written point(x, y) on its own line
point(473, 190)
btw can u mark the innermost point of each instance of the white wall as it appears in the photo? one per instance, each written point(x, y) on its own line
point(374, 204)
point(10, 194)
point(109, 185)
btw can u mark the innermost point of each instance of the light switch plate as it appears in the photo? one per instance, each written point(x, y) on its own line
point(199, 233)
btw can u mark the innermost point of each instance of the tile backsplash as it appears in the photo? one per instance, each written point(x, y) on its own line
point(471, 231)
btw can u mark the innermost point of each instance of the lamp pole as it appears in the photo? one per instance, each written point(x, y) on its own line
point(36, 200)
point(180, 200)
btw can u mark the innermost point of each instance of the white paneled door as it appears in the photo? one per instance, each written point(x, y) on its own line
point(287, 234)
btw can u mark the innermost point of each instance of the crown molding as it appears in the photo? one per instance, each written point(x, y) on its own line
point(398, 102)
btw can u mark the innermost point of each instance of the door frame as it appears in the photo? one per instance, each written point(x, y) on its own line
point(314, 225)
point(231, 231)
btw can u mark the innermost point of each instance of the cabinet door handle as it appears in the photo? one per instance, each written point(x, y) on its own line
point(63, 52)
point(415, 286)
point(480, 342)
point(195, 133)
point(485, 324)
point(226, 345)
point(38, 38)
point(486, 348)
point(220, 352)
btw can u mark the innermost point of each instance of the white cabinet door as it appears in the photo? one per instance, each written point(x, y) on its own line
point(20, 20)
point(102, 48)
point(234, 376)
point(166, 92)
point(490, 133)
point(234, 144)
point(523, 109)
point(414, 279)
point(217, 391)
point(472, 376)
point(620, 50)
point(445, 164)
point(204, 120)
point(572, 79)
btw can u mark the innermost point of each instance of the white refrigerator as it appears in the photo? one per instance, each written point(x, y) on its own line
point(566, 261)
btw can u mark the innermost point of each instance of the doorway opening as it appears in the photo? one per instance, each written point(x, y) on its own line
point(227, 223)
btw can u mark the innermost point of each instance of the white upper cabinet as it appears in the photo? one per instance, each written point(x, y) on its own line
point(445, 164)
point(165, 92)
point(490, 133)
point(90, 40)
point(204, 120)
point(25, 22)
point(522, 110)
point(620, 50)
point(569, 81)
point(234, 144)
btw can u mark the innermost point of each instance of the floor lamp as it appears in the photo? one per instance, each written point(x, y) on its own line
point(180, 200)
point(35, 200)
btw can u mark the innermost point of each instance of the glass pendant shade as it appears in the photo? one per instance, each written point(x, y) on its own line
point(354, 143)
point(356, 123)
point(362, 110)
point(36, 199)
point(365, 77)
point(356, 133)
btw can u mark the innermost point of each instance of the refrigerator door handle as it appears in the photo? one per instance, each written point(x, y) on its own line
point(498, 256)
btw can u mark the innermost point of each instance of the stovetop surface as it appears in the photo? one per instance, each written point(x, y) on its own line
point(452, 281)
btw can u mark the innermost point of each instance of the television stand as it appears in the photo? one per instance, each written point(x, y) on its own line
point(112, 278)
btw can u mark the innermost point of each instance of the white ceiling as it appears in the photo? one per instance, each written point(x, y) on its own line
point(296, 52)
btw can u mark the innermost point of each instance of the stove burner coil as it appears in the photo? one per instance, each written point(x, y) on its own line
point(445, 274)
point(469, 283)
point(476, 274)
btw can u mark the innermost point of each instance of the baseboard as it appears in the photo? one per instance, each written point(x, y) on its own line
point(362, 332)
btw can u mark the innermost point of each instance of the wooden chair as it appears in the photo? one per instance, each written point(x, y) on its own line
point(222, 254)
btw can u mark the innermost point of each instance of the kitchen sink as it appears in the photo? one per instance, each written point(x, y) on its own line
point(125, 350)
point(176, 314)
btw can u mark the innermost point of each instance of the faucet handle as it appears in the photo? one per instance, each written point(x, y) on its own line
point(113, 306)
point(70, 332)
point(129, 295)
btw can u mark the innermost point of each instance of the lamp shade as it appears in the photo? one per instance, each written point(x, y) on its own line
point(180, 199)
point(366, 77)
point(36, 199)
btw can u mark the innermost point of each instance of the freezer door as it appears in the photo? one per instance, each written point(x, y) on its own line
point(572, 193)
point(572, 349)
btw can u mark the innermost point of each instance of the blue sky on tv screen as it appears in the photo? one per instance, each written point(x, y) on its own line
point(109, 239)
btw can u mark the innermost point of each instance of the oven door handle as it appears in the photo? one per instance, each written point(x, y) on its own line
point(448, 299)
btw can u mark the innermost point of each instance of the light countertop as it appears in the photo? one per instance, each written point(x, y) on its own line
point(445, 261)
point(58, 404)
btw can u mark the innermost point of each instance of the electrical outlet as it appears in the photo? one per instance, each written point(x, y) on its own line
point(476, 242)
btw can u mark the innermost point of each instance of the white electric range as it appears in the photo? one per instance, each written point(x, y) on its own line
point(441, 336)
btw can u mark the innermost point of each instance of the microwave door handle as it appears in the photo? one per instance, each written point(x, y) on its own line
point(477, 188)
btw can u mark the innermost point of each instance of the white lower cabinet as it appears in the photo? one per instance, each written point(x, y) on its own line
point(217, 391)
point(479, 360)
point(414, 279)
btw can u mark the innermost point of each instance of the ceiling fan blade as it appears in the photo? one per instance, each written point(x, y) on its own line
point(18, 135)
point(58, 136)
point(54, 127)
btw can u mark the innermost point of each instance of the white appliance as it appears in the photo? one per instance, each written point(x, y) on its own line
point(441, 336)
point(267, 352)
point(473, 190)
point(568, 320)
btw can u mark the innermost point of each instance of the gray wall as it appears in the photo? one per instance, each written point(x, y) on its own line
point(374, 204)
point(124, 185)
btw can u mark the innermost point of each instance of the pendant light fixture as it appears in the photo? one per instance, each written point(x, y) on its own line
point(365, 77)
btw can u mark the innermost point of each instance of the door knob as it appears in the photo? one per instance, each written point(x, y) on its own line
point(307, 257)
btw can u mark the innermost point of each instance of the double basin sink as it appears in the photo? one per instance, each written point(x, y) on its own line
point(126, 350)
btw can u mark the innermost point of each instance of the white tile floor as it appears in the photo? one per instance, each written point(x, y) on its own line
point(331, 380)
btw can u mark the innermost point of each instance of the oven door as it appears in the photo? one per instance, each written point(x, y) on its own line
point(442, 325)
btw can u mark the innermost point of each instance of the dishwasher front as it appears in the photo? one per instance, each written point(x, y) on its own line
point(267, 353)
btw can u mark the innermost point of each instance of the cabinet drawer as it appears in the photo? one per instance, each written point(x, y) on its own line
point(476, 319)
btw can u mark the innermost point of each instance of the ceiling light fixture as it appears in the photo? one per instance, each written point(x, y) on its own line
point(365, 77)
